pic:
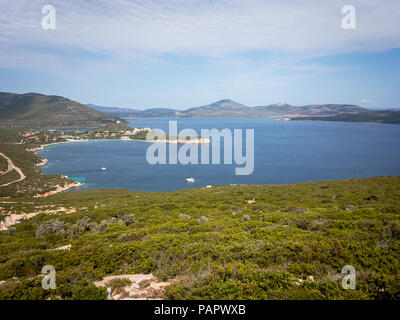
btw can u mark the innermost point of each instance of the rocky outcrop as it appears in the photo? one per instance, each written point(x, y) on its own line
point(13, 218)
point(42, 163)
point(142, 287)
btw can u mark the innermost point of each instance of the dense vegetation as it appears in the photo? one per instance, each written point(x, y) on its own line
point(3, 164)
point(213, 240)
point(38, 110)
point(388, 116)
point(35, 182)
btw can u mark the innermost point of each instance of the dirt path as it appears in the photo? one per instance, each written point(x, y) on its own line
point(11, 166)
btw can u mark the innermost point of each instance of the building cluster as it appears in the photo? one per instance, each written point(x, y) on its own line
point(51, 136)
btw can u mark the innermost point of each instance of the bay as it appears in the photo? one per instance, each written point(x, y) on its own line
point(285, 152)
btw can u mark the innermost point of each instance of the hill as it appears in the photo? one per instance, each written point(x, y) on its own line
point(221, 108)
point(228, 108)
point(159, 112)
point(290, 243)
point(129, 112)
point(39, 110)
point(388, 116)
point(120, 112)
point(281, 109)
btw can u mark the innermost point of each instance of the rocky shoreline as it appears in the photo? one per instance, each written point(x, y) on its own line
point(59, 189)
point(42, 163)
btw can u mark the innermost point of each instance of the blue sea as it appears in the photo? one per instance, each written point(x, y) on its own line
point(284, 152)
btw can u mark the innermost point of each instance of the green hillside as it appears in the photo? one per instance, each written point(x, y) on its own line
point(223, 108)
point(38, 110)
point(290, 243)
point(387, 116)
point(283, 109)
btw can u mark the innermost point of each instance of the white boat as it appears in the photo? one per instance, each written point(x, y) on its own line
point(283, 119)
point(190, 180)
point(104, 169)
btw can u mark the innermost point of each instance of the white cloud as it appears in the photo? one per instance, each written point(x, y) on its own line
point(204, 27)
point(139, 33)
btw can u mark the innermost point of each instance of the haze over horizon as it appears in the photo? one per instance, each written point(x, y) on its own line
point(182, 54)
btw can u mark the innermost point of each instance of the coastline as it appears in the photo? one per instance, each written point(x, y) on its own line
point(59, 189)
point(75, 184)
point(342, 121)
point(178, 141)
point(43, 162)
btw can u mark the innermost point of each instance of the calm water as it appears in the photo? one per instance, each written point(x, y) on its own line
point(285, 152)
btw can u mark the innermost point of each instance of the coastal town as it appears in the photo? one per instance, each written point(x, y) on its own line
point(116, 131)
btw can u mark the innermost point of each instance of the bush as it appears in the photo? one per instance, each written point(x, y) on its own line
point(51, 227)
point(10, 231)
point(129, 219)
point(225, 259)
point(83, 224)
point(203, 219)
point(103, 226)
point(118, 283)
point(90, 292)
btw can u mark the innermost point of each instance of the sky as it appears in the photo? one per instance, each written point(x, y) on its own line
point(186, 53)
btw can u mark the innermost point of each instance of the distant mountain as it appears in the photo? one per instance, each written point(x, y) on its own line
point(128, 112)
point(377, 108)
point(221, 108)
point(388, 116)
point(114, 110)
point(159, 112)
point(283, 109)
point(232, 109)
point(276, 109)
point(39, 110)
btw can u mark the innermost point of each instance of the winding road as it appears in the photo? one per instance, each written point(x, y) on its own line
point(11, 167)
